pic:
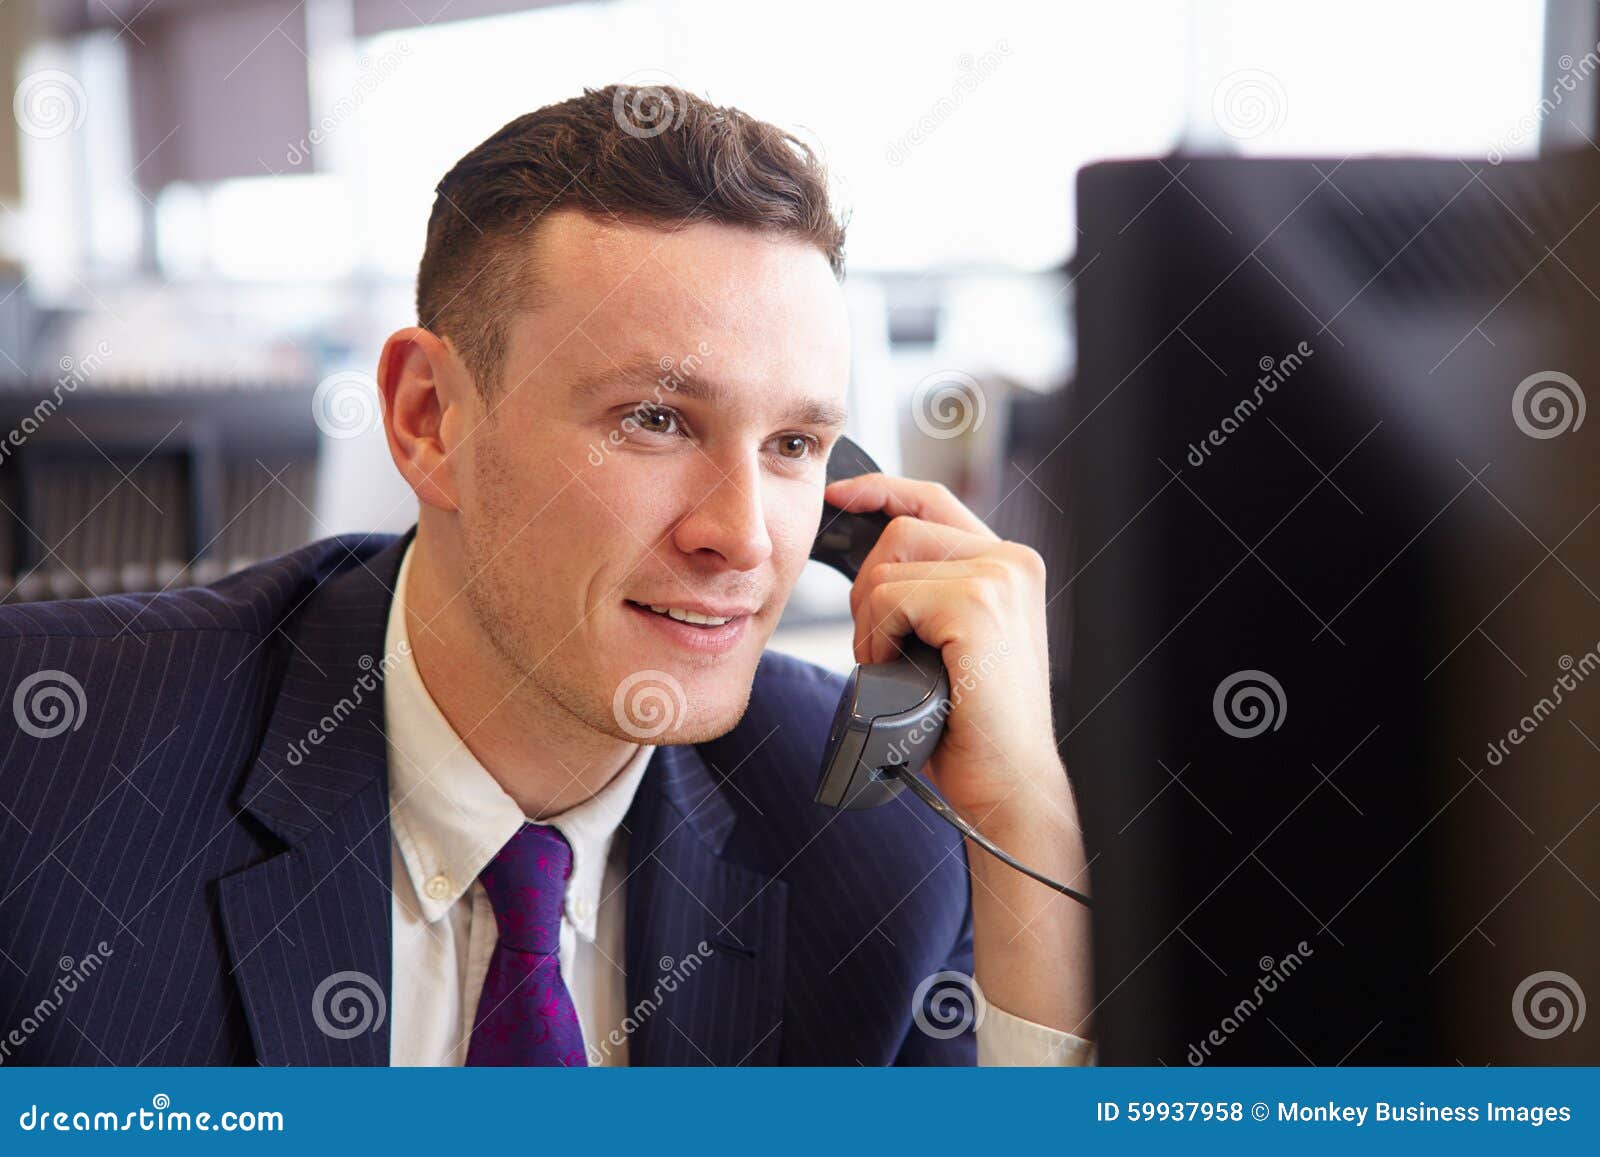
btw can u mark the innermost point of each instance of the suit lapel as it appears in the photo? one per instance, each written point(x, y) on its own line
point(308, 931)
point(705, 936)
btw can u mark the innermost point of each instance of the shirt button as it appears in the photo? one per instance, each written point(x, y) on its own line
point(438, 887)
point(580, 909)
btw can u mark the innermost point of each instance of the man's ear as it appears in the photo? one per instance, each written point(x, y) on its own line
point(421, 379)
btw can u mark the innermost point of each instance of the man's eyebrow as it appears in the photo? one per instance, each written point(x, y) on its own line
point(823, 412)
point(661, 381)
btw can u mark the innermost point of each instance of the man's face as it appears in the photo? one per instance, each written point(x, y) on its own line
point(659, 438)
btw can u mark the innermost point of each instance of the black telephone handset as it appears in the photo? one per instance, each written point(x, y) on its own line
point(891, 715)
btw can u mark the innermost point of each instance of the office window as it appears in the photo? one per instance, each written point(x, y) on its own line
point(1369, 76)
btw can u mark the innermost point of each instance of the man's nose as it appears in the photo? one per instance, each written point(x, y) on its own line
point(728, 519)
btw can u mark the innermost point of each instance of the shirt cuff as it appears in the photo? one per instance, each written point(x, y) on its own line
point(1007, 1040)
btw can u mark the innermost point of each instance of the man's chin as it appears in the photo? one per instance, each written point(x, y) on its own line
point(656, 708)
point(690, 735)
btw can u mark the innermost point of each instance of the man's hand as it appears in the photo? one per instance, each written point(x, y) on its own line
point(938, 572)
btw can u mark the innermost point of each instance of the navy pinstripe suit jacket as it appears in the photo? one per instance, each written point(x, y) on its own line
point(174, 889)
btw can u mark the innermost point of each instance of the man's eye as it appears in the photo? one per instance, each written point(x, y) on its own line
point(796, 446)
point(657, 420)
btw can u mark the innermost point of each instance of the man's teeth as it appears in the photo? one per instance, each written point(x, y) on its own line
point(689, 616)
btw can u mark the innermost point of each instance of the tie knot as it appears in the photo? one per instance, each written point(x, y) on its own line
point(526, 882)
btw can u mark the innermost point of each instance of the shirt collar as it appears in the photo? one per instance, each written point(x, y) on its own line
point(449, 815)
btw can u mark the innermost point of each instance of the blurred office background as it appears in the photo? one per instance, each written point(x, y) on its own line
point(211, 213)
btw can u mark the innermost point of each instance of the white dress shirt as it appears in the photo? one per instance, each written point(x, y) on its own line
point(450, 817)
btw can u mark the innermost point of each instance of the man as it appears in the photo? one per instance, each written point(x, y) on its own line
point(521, 787)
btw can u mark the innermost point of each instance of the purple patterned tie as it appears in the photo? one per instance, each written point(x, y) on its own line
point(525, 1015)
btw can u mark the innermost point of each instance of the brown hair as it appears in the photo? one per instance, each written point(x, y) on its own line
point(645, 155)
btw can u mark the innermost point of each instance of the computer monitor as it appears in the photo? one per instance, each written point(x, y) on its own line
point(1331, 699)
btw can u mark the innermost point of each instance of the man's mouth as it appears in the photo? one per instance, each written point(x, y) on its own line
point(686, 615)
point(702, 628)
